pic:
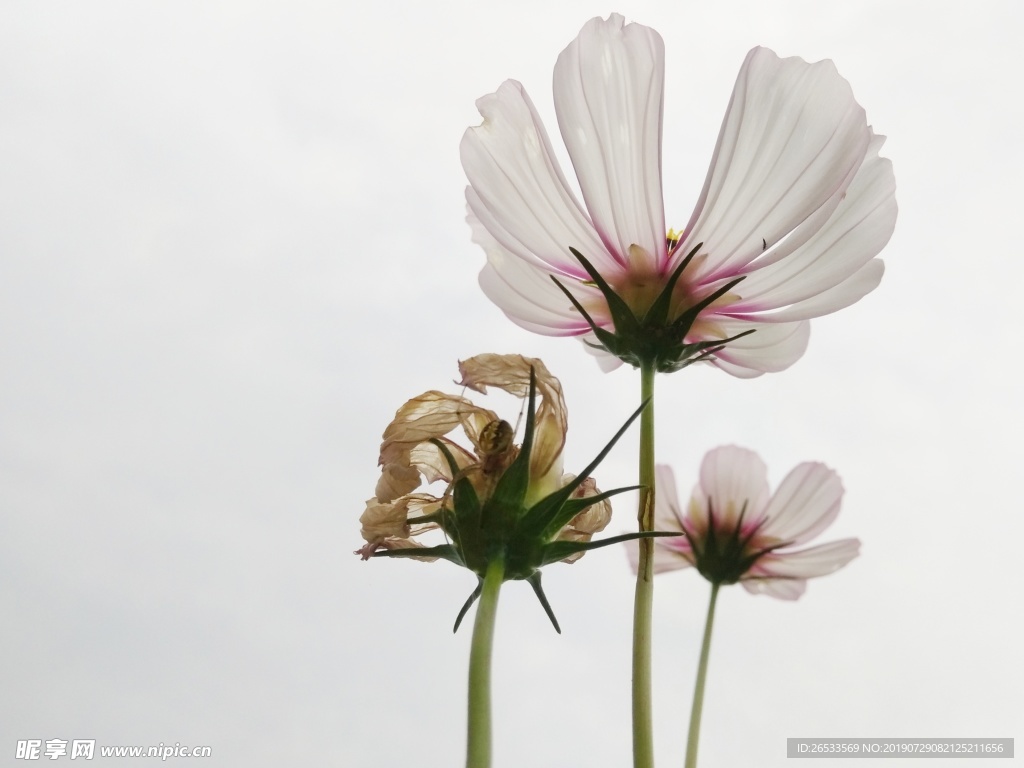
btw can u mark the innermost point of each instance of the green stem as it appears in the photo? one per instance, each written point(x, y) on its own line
point(693, 737)
point(643, 736)
point(478, 739)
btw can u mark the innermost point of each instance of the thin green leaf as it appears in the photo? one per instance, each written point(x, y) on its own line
point(441, 551)
point(559, 550)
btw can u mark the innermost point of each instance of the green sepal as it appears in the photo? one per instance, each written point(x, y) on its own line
point(513, 485)
point(652, 340)
point(559, 550)
point(465, 606)
point(534, 580)
point(441, 551)
point(685, 320)
point(433, 517)
point(724, 561)
point(657, 313)
point(573, 507)
point(609, 341)
point(620, 310)
point(463, 493)
point(538, 518)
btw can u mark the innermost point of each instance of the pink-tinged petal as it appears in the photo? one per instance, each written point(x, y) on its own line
point(524, 291)
point(854, 234)
point(667, 514)
point(806, 503)
point(608, 89)
point(770, 348)
point(521, 196)
point(792, 140)
point(733, 478)
point(783, 589)
point(848, 292)
point(606, 361)
point(670, 554)
point(809, 563)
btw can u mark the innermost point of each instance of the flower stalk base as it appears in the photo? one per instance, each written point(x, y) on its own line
point(693, 737)
point(643, 727)
point(478, 738)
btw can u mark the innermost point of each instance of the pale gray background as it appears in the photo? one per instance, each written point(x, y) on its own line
point(232, 244)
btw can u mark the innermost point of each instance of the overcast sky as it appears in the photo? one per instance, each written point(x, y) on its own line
point(232, 244)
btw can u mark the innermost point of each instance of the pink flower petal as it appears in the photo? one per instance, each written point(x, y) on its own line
point(606, 361)
point(848, 292)
point(733, 477)
point(772, 347)
point(670, 554)
point(806, 503)
point(525, 292)
point(820, 560)
point(522, 197)
point(608, 88)
point(783, 589)
point(667, 514)
point(792, 140)
point(854, 234)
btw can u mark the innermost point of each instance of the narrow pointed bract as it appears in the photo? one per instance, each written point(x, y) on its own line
point(795, 207)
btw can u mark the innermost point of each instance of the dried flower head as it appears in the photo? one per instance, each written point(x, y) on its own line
point(501, 499)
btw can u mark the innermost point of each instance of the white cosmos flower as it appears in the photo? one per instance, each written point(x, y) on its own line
point(736, 530)
point(797, 201)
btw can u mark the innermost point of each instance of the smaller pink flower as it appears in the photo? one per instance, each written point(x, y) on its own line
point(736, 530)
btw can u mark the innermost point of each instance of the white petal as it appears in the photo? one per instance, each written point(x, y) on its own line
point(734, 478)
point(606, 361)
point(671, 553)
point(783, 589)
point(848, 292)
point(667, 515)
point(772, 347)
point(525, 292)
point(522, 197)
point(854, 234)
point(809, 563)
point(792, 140)
point(609, 88)
point(806, 503)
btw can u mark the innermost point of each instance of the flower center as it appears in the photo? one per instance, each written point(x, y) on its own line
point(724, 545)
